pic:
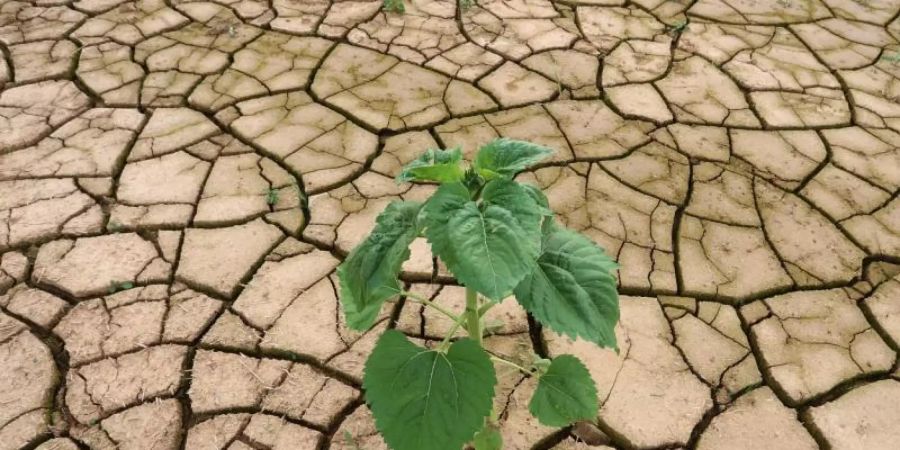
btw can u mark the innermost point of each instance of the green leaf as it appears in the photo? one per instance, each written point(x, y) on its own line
point(489, 438)
point(427, 400)
point(516, 198)
point(564, 394)
point(504, 158)
point(368, 277)
point(434, 165)
point(571, 289)
point(489, 247)
point(539, 198)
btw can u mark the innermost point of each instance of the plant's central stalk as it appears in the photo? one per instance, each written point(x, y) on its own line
point(473, 319)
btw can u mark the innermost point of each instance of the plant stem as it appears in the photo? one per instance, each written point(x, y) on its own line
point(485, 308)
point(456, 325)
point(473, 325)
point(430, 303)
point(510, 363)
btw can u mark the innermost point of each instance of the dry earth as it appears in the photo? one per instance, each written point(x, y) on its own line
point(179, 180)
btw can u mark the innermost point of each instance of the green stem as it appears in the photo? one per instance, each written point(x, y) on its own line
point(445, 343)
point(426, 302)
point(485, 308)
point(473, 325)
point(510, 363)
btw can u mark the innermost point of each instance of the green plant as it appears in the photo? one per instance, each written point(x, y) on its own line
point(350, 441)
point(498, 237)
point(114, 226)
point(271, 196)
point(678, 27)
point(895, 58)
point(116, 286)
point(396, 6)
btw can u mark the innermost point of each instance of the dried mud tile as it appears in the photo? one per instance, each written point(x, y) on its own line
point(24, 22)
point(713, 257)
point(88, 145)
point(748, 424)
point(606, 27)
point(813, 249)
point(785, 158)
point(170, 129)
point(32, 111)
point(96, 389)
point(277, 284)
point(73, 266)
point(752, 12)
point(872, 406)
point(815, 340)
point(243, 246)
point(322, 145)
point(130, 22)
point(595, 131)
point(29, 376)
point(42, 209)
point(699, 92)
point(647, 392)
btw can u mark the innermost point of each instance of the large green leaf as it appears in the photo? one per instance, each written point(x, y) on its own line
point(539, 198)
point(571, 289)
point(489, 247)
point(434, 165)
point(504, 158)
point(427, 400)
point(564, 394)
point(368, 276)
point(516, 198)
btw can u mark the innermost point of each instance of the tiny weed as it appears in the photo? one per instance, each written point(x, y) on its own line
point(350, 441)
point(272, 196)
point(114, 226)
point(678, 28)
point(895, 58)
point(396, 6)
point(116, 286)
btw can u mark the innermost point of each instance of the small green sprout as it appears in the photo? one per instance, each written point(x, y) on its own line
point(350, 441)
point(271, 196)
point(678, 27)
point(114, 226)
point(116, 286)
point(396, 6)
point(895, 58)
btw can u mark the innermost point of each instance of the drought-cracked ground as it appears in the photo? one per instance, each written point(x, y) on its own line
point(179, 180)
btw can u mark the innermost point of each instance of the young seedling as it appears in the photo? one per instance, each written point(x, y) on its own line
point(499, 238)
point(114, 226)
point(116, 286)
point(895, 58)
point(678, 28)
point(396, 6)
point(271, 196)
